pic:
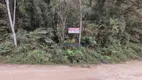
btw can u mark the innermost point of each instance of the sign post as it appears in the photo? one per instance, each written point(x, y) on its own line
point(81, 15)
point(74, 31)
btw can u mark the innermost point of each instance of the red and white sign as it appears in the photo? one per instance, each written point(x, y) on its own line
point(74, 30)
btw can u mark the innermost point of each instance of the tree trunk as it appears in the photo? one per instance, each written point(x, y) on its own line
point(64, 26)
point(12, 23)
point(90, 2)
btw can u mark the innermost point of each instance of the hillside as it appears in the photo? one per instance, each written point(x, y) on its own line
point(111, 31)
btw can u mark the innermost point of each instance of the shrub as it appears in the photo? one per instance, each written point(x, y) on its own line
point(6, 48)
point(31, 57)
point(118, 53)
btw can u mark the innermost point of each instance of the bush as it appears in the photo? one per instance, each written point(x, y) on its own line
point(112, 54)
point(6, 48)
point(31, 57)
point(118, 53)
point(42, 52)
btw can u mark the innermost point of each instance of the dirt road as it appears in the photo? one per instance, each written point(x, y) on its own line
point(126, 71)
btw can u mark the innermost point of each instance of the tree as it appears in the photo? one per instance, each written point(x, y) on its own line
point(12, 22)
point(63, 9)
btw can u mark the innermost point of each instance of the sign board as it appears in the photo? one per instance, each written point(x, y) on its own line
point(74, 30)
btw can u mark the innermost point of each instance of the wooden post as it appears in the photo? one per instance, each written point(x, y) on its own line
point(80, 3)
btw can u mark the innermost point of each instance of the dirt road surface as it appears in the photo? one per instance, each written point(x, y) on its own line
point(126, 71)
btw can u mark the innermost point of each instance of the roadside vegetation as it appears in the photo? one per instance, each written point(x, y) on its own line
point(111, 31)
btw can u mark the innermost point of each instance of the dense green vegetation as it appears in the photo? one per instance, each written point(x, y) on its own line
point(111, 31)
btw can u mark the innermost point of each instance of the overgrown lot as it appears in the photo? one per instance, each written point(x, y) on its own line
point(42, 50)
point(111, 31)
